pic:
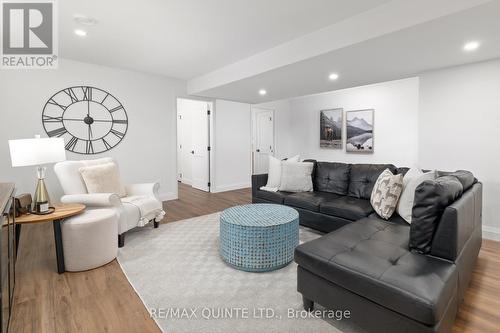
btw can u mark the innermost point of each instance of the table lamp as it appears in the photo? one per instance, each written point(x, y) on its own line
point(37, 151)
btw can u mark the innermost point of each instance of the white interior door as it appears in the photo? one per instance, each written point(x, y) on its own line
point(263, 139)
point(200, 159)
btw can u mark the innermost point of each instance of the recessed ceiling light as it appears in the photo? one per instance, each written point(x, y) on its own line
point(80, 32)
point(262, 92)
point(333, 76)
point(471, 46)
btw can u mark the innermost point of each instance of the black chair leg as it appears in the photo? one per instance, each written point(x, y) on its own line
point(121, 240)
point(308, 304)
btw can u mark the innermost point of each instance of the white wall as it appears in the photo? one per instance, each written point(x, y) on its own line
point(395, 124)
point(146, 154)
point(458, 128)
point(232, 138)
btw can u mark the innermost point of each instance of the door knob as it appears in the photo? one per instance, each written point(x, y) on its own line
point(258, 150)
point(192, 152)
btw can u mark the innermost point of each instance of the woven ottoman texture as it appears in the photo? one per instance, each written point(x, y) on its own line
point(258, 237)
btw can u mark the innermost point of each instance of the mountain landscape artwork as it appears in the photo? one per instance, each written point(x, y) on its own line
point(331, 128)
point(359, 127)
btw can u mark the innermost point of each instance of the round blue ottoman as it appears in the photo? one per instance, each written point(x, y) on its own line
point(258, 237)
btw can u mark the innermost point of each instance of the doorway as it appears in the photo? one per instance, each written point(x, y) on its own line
point(193, 143)
point(263, 138)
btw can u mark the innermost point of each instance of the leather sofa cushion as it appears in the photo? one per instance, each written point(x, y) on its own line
point(370, 258)
point(277, 197)
point(347, 207)
point(363, 178)
point(309, 200)
point(332, 177)
point(466, 178)
point(431, 199)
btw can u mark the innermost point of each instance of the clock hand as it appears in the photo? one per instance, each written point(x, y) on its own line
point(90, 132)
point(95, 120)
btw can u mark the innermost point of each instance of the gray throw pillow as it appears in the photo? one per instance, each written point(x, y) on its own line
point(385, 194)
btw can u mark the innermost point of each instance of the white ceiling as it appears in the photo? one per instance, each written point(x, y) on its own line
point(232, 48)
point(188, 38)
point(404, 53)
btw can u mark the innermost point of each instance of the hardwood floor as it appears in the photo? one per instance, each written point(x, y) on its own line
point(102, 300)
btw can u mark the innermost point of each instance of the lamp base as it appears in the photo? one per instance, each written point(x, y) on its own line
point(41, 200)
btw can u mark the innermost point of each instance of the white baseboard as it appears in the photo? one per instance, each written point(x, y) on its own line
point(166, 196)
point(231, 187)
point(492, 233)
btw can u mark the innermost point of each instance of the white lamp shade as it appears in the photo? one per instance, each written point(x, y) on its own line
point(28, 152)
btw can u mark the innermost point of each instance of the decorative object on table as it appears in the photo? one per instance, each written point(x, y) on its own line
point(60, 213)
point(330, 126)
point(38, 152)
point(140, 205)
point(89, 239)
point(359, 128)
point(274, 173)
point(386, 193)
point(22, 205)
point(90, 119)
point(258, 237)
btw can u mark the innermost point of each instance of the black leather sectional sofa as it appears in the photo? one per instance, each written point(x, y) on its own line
point(363, 263)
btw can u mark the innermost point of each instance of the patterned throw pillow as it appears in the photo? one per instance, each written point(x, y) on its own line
point(386, 192)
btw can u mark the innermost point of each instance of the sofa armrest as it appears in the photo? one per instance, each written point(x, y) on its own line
point(257, 182)
point(93, 200)
point(143, 189)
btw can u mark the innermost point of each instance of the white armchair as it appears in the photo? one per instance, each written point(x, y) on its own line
point(140, 206)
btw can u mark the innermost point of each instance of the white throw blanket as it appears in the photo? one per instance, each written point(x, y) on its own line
point(148, 206)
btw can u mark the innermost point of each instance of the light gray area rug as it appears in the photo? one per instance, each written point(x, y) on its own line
point(177, 272)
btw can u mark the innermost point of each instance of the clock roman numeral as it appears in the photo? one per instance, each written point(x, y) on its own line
point(87, 93)
point(50, 119)
point(72, 144)
point(89, 147)
point(116, 109)
point(120, 121)
point(52, 102)
point(107, 94)
point(57, 132)
point(117, 133)
point(71, 94)
point(106, 144)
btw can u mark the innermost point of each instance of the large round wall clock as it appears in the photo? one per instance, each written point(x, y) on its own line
point(90, 119)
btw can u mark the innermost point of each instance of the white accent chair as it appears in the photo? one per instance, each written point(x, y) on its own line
point(129, 208)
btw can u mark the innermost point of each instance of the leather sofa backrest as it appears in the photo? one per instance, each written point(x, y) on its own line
point(460, 221)
point(332, 177)
point(363, 178)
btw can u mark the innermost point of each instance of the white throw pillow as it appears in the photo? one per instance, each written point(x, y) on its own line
point(274, 174)
point(102, 178)
point(411, 180)
point(296, 177)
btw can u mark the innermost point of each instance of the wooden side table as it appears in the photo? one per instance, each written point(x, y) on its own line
point(61, 212)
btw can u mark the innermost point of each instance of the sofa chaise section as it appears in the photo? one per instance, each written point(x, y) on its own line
point(367, 268)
